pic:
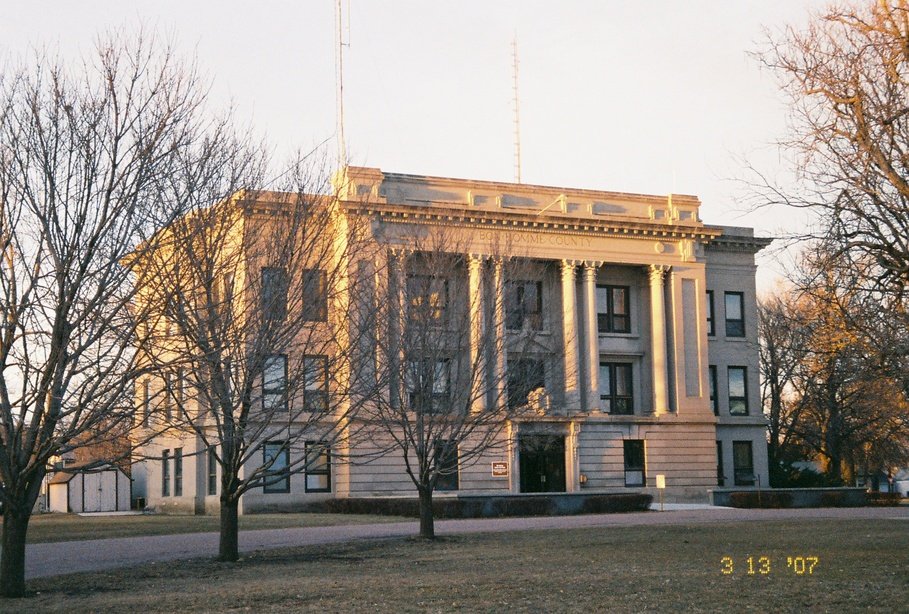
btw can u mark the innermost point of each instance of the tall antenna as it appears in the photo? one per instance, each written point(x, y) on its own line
point(339, 68)
point(517, 113)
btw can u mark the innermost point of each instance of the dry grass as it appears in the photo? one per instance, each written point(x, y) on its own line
point(71, 527)
point(675, 568)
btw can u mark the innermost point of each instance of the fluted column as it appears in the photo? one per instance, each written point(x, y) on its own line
point(592, 339)
point(658, 340)
point(476, 304)
point(570, 335)
point(499, 340)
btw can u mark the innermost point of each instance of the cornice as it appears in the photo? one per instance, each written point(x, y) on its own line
point(507, 220)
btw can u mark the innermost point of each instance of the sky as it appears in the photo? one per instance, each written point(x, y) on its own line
point(647, 97)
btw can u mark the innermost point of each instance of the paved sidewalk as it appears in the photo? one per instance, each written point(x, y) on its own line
point(59, 558)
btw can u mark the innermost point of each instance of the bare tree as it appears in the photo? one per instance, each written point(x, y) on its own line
point(782, 333)
point(93, 158)
point(846, 78)
point(254, 352)
point(444, 393)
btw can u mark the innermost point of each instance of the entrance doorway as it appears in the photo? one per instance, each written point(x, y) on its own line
point(542, 463)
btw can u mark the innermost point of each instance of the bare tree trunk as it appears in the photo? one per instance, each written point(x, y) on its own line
point(229, 549)
point(12, 559)
point(427, 522)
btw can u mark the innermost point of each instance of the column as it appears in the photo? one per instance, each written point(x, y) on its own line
point(592, 340)
point(397, 323)
point(570, 335)
point(658, 340)
point(500, 375)
point(476, 304)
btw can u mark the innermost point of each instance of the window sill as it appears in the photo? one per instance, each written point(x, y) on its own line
point(618, 335)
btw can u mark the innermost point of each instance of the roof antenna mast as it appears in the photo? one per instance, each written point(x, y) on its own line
point(517, 114)
point(339, 77)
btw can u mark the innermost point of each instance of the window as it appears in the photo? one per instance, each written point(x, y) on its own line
point(742, 463)
point(315, 383)
point(735, 314)
point(615, 388)
point(446, 461)
point(179, 392)
point(274, 293)
point(315, 300)
point(427, 299)
point(613, 309)
point(277, 476)
point(178, 472)
point(711, 328)
point(738, 391)
point(720, 477)
point(714, 400)
point(428, 385)
point(165, 473)
point(318, 467)
point(146, 401)
point(168, 397)
point(524, 305)
point(212, 471)
point(635, 474)
point(524, 376)
point(274, 383)
point(228, 282)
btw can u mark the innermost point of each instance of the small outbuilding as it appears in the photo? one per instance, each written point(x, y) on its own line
point(100, 489)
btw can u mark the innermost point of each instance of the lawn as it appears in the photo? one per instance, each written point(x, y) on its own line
point(71, 527)
point(860, 565)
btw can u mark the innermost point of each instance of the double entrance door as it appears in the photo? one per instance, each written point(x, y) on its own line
point(542, 463)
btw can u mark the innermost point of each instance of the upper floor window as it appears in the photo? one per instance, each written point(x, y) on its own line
point(738, 391)
point(318, 467)
point(315, 299)
point(428, 385)
point(274, 382)
point(168, 397)
point(615, 388)
point(735, 314)
point(613, 307)
point(146, 401)
point(276, 457)
point(523, 305)
point(315, 383)
point(427, 299)
point(446, 455)
point(711, 327)
point(714, 400)
point(274, 293)
point(524, 376)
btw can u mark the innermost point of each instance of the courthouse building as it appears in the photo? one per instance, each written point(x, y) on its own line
point(645, 344)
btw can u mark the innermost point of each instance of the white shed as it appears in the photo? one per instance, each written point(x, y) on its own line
point(102, 489)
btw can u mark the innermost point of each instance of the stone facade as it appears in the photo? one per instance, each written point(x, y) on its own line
point(647, 313)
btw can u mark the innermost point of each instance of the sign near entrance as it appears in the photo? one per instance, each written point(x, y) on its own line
point(500, 469)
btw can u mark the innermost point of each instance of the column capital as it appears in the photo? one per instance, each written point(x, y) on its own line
point(591, 268)
point(474, 259)
point(400, 253)
point(657, 272)
point(568, 266)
